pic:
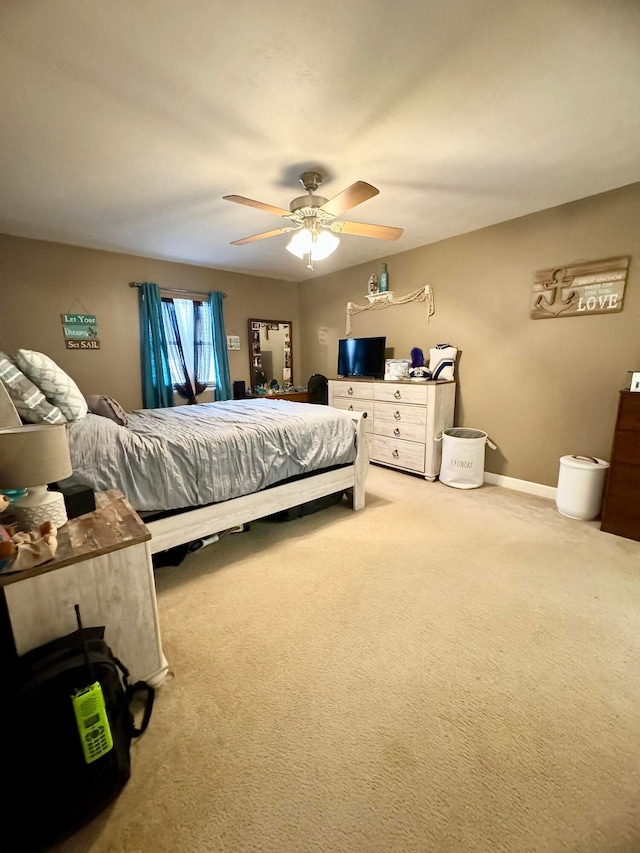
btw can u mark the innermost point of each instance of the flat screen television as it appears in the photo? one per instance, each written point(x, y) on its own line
point(361, 357)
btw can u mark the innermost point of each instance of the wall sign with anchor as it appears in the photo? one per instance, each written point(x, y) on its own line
point(576, 290)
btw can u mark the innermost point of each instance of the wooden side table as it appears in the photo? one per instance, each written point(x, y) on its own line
point(103, 563)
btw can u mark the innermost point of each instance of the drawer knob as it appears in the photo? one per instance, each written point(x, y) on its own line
point(350, 408)
point(395, 454)
point(397, 395)
point(397, 415)
point(396, 431)
point(350, 391)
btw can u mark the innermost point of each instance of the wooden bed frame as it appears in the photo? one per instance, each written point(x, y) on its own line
point(205, 521)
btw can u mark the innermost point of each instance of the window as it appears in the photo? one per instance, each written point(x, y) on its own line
point(189, 333)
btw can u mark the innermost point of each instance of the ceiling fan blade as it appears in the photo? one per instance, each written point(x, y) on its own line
point(240, 199)
point(361, 229)
point(262, 236)
point(353, 195)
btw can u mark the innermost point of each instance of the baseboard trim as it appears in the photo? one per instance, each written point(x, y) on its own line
point(521, 485)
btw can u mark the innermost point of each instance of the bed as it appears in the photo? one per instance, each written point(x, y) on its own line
point(193, 471)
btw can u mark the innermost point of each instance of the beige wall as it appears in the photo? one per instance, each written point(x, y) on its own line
point(39, 281)
point(540, 388)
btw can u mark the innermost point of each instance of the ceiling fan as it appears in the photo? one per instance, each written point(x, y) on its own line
point(314, 219)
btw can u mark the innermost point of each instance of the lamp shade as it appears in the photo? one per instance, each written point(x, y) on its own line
point(34, 455)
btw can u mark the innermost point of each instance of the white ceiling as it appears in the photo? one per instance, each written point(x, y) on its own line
point(122, 124)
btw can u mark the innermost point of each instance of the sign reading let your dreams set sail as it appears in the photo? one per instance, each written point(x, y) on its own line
point(80, 331)
point(578, 290)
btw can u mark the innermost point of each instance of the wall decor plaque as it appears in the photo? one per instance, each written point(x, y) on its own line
point(577, 290)
point(71, 344)
point(80, 330)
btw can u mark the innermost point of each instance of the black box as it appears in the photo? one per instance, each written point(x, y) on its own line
point(239, 390)
point(78, 500)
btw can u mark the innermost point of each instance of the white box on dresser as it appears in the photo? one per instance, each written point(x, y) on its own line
point(403, 419)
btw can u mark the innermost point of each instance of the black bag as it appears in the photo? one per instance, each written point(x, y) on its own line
point(318, 389)
point(49, 790)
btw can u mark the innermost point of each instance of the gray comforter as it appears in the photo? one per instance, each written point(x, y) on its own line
point(193, 455)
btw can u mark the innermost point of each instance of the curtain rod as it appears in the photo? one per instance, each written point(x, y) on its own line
point(174, 289)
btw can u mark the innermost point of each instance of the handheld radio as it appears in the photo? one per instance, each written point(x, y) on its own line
point(90, 711)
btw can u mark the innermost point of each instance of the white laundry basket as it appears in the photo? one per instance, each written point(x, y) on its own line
point(462, 464)
point(580, 486)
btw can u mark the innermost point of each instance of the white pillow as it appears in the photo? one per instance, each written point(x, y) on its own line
point(57, 386)
point(442, 359)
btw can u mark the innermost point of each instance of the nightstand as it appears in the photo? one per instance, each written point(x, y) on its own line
point(103, 563)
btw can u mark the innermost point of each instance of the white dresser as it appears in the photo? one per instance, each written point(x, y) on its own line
point(403, 419)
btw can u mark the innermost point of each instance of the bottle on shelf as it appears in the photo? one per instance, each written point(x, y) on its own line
point(384, 279)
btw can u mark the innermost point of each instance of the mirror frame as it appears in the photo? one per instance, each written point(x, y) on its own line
point(252, 352)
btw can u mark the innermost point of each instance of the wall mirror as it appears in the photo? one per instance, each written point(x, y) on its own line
point(270, 353)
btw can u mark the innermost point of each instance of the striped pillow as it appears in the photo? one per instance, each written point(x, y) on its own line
point(442, 359)
point(56, 385)
point(28, 399)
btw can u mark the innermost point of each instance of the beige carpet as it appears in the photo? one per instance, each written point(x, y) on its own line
point(445, 671)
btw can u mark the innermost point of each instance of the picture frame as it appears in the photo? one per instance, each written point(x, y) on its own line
point(397, 368)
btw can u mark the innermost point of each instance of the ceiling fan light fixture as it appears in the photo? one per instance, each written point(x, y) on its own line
point(301, 243)
point(319, 246)
point(314, 219)
point(324, 245)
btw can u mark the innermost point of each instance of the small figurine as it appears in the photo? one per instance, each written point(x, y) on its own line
point(373, 284)
point(20, 551)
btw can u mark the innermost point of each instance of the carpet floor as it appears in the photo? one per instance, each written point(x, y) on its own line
point(445, 671)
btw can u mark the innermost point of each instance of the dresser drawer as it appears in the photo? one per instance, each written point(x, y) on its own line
point(624, 483)
point(358, 390)
point(626, 447)
point(402, 429)
point(399, 413)
point(350, 405)
point(629, 414)
point(400, 393)
point(399, 453)
point(621, 511)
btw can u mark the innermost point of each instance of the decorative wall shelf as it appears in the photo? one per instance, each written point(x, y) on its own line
point(387, 296)
point(385, 300)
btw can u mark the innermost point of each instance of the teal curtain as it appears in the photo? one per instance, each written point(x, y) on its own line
point(157, 388)
point(220, 358)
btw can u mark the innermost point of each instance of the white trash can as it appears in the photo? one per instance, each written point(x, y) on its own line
point(462, 464)
point(580, 486)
